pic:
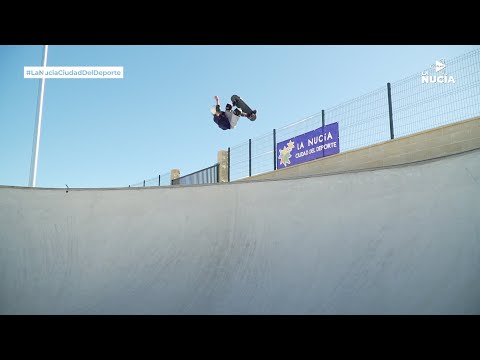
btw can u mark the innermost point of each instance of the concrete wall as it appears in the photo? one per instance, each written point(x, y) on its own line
point(403, 240)
point(446, 140)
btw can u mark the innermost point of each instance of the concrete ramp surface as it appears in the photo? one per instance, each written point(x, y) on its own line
point(400, 240)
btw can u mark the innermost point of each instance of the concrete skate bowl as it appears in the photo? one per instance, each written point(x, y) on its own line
point(397, 240)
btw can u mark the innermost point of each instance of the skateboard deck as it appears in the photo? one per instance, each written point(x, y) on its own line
point(241, 104)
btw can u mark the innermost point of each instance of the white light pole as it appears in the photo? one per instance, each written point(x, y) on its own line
point(38, 124)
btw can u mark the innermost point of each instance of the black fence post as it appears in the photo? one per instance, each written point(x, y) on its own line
point(323, 118)
point(274, 149)
point(218, 172)
point(249, 157)
point(228, 164)
point(143, 183)
point(159, 183)
point(390, 112)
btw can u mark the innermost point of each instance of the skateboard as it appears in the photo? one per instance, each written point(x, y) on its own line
point(241, 104)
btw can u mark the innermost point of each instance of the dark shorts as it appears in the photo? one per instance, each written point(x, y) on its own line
point(222, 121)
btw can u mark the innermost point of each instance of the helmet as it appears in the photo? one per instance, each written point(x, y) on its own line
point(213, 110)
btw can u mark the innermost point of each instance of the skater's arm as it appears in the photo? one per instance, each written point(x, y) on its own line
point(217, 104)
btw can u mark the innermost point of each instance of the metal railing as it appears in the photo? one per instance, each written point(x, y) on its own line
point(205, 176)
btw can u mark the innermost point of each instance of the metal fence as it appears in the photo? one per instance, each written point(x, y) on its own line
point(205, 176)
point(411, 105)
point(160, 180)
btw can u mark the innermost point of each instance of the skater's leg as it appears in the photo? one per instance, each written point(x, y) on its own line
point(239, 112)
point(233, 121)
point(233, 118)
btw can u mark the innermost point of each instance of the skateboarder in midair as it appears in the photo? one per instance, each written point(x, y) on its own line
point(225, 119)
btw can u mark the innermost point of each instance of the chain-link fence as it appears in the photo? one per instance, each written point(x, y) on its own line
point(420, 105)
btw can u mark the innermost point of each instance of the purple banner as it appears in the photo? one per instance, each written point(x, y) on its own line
point(312, 145)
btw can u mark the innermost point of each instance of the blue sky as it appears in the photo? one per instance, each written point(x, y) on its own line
point(116, 132)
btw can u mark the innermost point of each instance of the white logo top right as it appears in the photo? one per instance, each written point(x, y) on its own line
point(441, 78)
